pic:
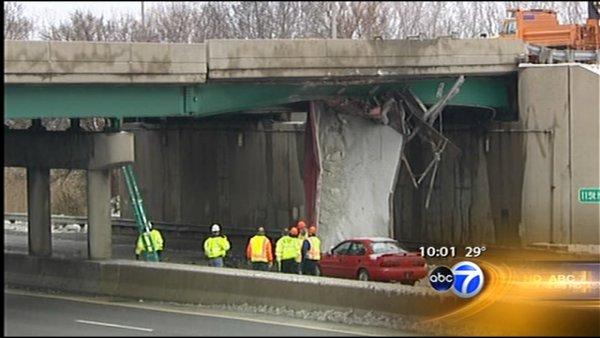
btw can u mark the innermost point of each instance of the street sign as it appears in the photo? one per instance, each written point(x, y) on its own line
point(589, 195)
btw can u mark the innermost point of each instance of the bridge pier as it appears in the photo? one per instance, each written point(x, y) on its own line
point(38, 211)
point(359, 161)
point(99, 225)
point(97, 153)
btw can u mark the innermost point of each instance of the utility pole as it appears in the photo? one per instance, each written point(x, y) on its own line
point(143, 21)
point(334, 20)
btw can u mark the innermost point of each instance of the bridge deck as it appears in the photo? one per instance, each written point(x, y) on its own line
point(98, 79)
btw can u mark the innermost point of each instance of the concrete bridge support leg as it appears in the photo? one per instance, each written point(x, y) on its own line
point(38, 211)
point(99, 224)
point(359, 161)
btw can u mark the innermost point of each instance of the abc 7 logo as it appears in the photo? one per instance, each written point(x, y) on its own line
point(465, 279)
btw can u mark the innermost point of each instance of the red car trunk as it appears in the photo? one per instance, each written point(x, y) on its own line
point(373, 259)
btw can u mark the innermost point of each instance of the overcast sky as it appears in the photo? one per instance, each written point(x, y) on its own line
point(46, 12)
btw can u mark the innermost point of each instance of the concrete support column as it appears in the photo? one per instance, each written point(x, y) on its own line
point(38, 211)
point(99, 225)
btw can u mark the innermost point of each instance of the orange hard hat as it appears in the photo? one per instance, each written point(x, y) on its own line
point(312, 230)
point(301, 225)
point(294, 231)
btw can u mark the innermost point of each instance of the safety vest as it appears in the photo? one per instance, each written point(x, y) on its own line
point(287, 248)
point(314, 253)
point(260, 249)
point(216, 246)
point(156, 238)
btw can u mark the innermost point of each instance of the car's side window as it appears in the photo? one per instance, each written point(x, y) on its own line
point(341, 249)
point(357, 249)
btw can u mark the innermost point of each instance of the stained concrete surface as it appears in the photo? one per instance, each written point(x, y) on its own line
point(103, 62)
point(239, 174)
point(118, 62)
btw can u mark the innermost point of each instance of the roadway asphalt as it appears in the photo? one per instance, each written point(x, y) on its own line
point(36, 314)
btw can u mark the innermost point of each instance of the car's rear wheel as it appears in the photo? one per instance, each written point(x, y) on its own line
point(408, 282)
point(363, 275)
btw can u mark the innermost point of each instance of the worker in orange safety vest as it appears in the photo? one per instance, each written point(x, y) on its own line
point(259, 251)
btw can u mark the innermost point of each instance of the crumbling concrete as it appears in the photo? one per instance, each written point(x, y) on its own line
point(359, 161)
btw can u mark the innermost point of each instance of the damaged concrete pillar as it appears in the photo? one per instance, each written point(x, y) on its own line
point(38, 211)
point(359, 161)
point(99, 223)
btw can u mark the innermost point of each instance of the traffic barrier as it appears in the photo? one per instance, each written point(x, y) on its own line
point(206, 285)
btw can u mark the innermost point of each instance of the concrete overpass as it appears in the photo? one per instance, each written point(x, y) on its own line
point(121, 80)
point(220, 76)
point(145, 80)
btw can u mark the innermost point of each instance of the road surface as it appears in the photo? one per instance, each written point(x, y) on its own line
point(32, 313)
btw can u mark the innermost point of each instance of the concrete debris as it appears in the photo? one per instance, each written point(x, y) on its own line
point(359, 160)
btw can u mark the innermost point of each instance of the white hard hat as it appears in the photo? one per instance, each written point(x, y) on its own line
point(215, 228)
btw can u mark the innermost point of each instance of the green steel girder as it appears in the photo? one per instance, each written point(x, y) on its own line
point(118, 101)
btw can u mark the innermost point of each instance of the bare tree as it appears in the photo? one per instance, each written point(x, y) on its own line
point(81, 26)
point(175, 21)
point(253, 20)
point(16, 25)
point(214, 21)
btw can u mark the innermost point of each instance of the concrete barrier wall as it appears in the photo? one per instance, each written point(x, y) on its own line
point(241, 59)
point(118, 62)
point(205, 285)
point(103, 62)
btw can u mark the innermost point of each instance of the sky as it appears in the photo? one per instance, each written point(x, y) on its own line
point(48, 12)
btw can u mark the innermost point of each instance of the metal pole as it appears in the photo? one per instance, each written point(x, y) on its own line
point(334, 20)
point(143, 21)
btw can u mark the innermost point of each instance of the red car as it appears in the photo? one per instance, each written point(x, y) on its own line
point(377, 259)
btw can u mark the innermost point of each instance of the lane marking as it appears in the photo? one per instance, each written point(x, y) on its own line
point(202, 312)
point(114, 325)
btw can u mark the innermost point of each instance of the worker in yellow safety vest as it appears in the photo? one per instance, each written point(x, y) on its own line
point(259, 251)
point(216, 247)
point(287, 251)
point(157, 239)
point(311, 253)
